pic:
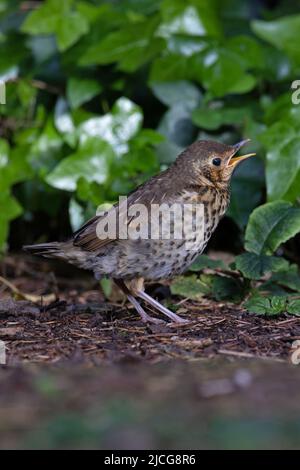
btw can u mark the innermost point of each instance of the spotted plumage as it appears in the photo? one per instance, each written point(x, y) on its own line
point(200, 176)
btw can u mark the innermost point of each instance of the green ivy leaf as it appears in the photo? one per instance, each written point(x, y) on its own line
point(81, 90)
point(213, 118)
point(46, 148)
point(250, 52)
point(130, 46)
point(170, 93)
point(169, 68)
point(117, 127)
point(195, 18)
point(283, 164)
point(57, 17)
point(270, 225)
point(91, 162)
point(224, 72)
point(283, 33)
point(148, 137)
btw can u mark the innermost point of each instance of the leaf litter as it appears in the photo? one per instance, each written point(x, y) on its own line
point(81, 326)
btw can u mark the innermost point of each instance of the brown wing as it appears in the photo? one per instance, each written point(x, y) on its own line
point(89, 236)
point(86, 236)
point(149, 192)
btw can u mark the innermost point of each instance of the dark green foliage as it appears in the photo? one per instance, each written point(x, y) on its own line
point(204, 261)
point(101, 95)
point(272, 306)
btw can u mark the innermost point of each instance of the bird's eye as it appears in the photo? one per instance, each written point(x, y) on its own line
point(217, 161)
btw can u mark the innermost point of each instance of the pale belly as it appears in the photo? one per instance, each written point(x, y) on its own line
point(154, 259)
point(150, 259)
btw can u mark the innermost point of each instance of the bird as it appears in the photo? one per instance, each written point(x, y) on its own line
point(139, 247)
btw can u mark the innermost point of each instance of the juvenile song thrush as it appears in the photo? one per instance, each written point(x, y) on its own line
point(199, 178)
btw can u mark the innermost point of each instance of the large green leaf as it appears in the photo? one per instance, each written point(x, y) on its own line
point(289, 279)
point(171, 93)
point(212, 118)
point(222, 71)
point(189, 287)
point(282, 143)
point(227, 288)
point(57, 17)
point(283, 33)
point(116, 127)
point(131, 46)
point(80, 90)
point(46, 147)
point(248, 49)
point(195, 18)
point(283, 164)
point(255, 266)
point(282, 167)
point(203, 261)
point(169, 68)
point(91, 162)
point(270, 225)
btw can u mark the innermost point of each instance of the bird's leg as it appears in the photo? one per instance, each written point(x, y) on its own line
point(144, 316)
point(160, 307)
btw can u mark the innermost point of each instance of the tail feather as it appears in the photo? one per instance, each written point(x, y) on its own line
point(49, 250)
point(65, 251)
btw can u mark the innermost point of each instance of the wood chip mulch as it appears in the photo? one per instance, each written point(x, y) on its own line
point(78, 327)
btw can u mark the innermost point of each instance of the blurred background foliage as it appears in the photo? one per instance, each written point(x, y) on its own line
point(100, 95)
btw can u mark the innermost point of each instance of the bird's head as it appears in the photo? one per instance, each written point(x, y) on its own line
point(213, 160)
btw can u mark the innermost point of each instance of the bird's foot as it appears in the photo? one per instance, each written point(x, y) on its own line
point(147, 298)
point(144, 316)
point(161, 308)
point(148, 319)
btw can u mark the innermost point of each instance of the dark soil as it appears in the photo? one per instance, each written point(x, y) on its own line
point(84, 372)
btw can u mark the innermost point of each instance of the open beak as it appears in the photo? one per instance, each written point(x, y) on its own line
point(233, 161)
